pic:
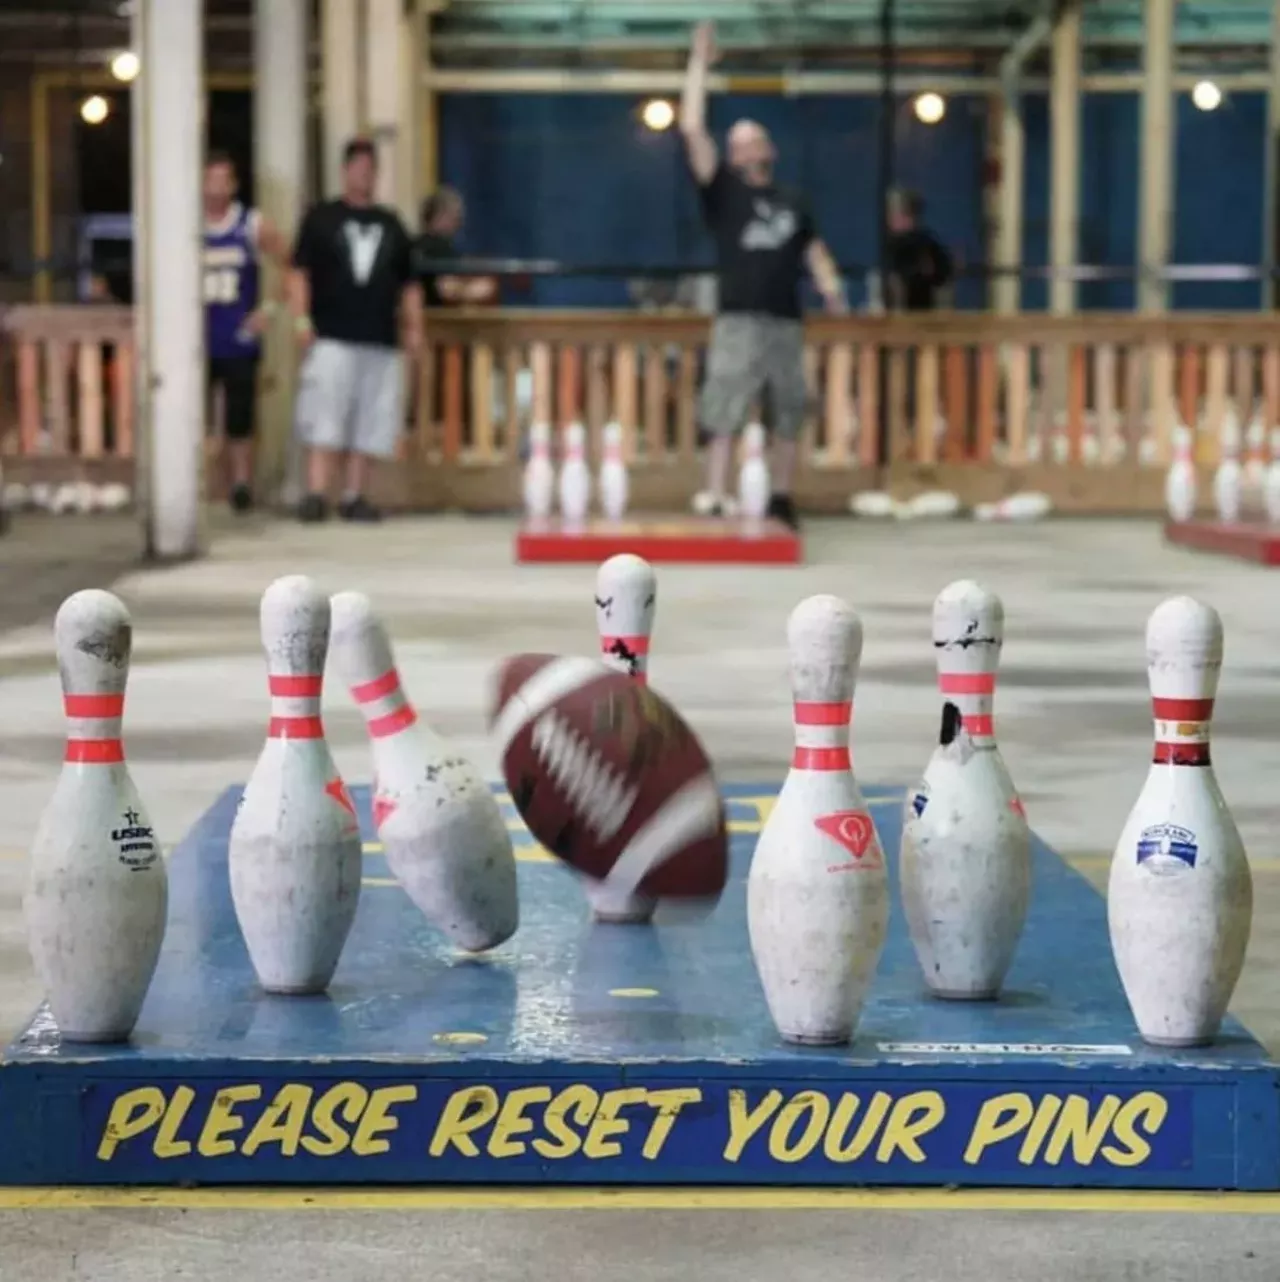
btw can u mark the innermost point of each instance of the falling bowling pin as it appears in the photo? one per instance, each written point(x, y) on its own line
point(1180, 483)
point(575, 476)
point(817, 895)
point(295, 853)
point(1180, 901)
point(626, 598)
point(965, 856)
point(441, 830)
point(753, 476)
point(97, 891)
point(539, 481)
point(613, 474)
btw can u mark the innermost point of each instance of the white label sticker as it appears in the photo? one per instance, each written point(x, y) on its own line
point(997, 1048)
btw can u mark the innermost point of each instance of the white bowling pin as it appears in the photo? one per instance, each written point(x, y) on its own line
point(539, 481)
point(965, 856)
point(575, 476)
point(295, 852)
point(440, 826)
point(1255, 464)
point(97, 892)
point(1180, 483)
point(1228, 479)
point(1180, 901)
point(613, 474)
point(1271, 484)
point(817, 895)
point(626, 598)
point(753, 476)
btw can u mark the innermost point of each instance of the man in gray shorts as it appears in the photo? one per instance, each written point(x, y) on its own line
point(765, 239)
point(353, 295)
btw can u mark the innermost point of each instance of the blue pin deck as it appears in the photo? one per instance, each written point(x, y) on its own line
point(612, 1054)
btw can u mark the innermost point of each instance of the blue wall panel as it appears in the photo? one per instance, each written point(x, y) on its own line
point(578, 178)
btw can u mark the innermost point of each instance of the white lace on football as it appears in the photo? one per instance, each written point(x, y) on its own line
point(595, 791)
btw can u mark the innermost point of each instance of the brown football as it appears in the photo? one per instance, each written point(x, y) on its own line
point(609, 777)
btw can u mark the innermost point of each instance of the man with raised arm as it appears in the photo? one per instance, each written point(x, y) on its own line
point(765, 241)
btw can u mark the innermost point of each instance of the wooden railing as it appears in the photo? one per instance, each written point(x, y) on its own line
point(1084, 406)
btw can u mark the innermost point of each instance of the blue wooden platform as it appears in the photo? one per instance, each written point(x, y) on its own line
point(625, 1054)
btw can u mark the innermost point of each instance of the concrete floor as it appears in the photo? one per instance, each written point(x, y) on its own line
point(1073, 721)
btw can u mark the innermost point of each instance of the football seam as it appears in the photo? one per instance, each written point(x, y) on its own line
point(599, 795)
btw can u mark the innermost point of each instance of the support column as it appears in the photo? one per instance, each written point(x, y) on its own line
point(1155, 154)
point(428, 109)
point(168, 143)
point(280, 95)
point(1008, 290)
point(1271, 166)
point(1064, 156)
point(340, 31)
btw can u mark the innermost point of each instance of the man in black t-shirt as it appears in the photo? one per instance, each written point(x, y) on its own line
point(442, 217)
point(920, 267)
point(765, 240)
point(353, 294)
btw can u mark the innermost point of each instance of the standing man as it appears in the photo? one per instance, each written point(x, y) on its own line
point(765, 239)
point(443, 214)
point(354, 297)
point(920, 266)
point(234, 239)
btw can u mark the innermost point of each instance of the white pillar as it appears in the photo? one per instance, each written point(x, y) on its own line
point(1008, 291)
point(340, 30)
point(280, 95)
point(1271, 162)
point(1064, 158)
point(1155, 153)
point(168, 146)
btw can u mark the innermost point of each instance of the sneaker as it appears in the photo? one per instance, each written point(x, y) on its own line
point(781, 508)
point(360, 510)
point(241, 498)
point(313, 509)
point(705, 503)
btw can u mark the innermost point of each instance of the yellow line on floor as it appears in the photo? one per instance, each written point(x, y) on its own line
point(641, 1199)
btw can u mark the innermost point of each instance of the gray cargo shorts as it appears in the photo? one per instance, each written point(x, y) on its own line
point(351, 397)
point(749, 354)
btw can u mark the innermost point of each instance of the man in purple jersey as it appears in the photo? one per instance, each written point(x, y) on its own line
point(235, 238)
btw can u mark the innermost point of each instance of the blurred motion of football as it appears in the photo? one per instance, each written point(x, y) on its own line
point(609, 777)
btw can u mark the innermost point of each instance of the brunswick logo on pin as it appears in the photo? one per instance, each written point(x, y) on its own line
point(1167, 849)
point(854, 830)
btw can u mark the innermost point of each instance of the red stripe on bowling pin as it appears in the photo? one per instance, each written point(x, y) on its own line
point(97, 744)
point(973, 693)
point(822, 735)
point(398, 715)
point(1181, 731)
point(295, 706)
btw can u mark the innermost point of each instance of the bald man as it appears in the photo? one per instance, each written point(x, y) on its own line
point(765, 240)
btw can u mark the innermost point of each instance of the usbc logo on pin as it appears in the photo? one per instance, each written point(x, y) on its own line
point(1166, 848)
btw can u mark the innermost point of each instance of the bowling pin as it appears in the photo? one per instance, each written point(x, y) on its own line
point(817, 896)
point(575, 476)
point(626, 597)
point(1180, 483)
point(295, 852)
point(441, 830)
point(1180, 901)
point(1255, 464)
point(965, 857)
point(1271, 485)
point(539, 482)
point(753, 476)
point(1228, 479)
point(613, 474)
point(97, 893)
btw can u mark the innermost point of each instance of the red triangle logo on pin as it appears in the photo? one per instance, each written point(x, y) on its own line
point(383, 809)
point(338, 791)
point(853, 830)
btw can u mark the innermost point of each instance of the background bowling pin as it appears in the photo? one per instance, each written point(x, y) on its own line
point(626, 599)
point(966, 848)
point(1228, 480)
point(441, 830)
point(575, 476)
point(97, 892)
point(753, 476)
point(1271, 485)
point(295, 853)
point(613, 474)
point(539, 481)
point(1180, 482)
point(1180, 900)
point(817, 896)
